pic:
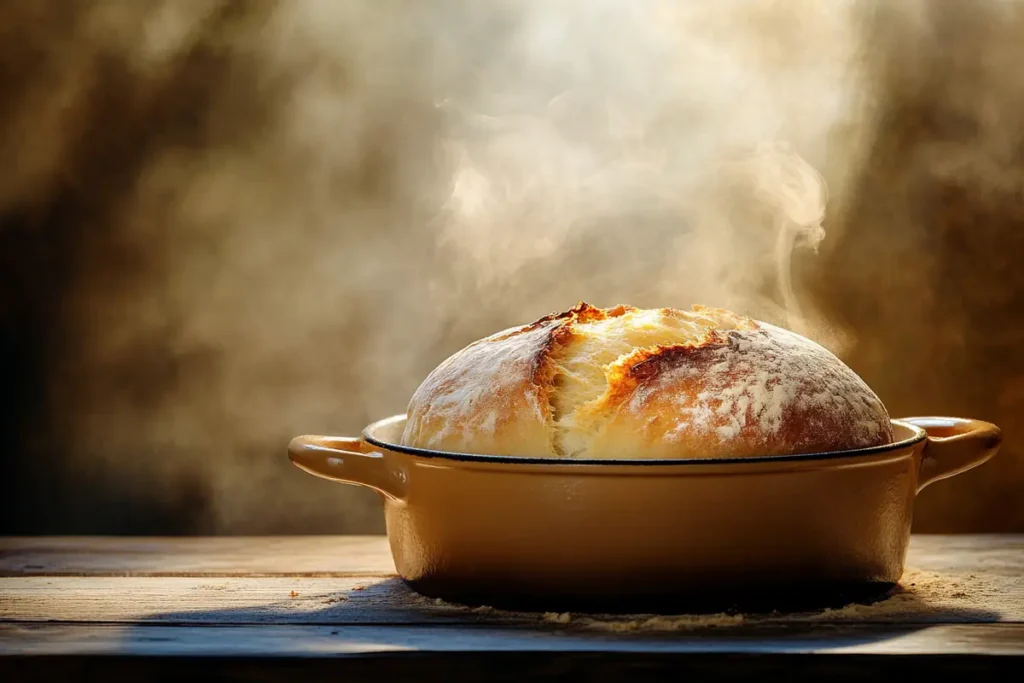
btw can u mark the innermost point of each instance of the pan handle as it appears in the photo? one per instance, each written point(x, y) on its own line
point(347, 460)
point(955, 444)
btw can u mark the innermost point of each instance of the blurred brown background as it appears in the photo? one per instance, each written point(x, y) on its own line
point(225, 223)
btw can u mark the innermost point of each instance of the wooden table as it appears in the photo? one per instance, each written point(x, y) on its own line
point(331, 607)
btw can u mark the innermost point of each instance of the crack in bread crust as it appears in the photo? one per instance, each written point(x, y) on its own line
point(552, 374)
point(597, 347)
point(645, 365)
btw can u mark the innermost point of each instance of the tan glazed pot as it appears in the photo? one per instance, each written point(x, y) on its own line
point(559, 533)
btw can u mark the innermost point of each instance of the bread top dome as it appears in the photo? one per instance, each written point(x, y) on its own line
point(630, 383)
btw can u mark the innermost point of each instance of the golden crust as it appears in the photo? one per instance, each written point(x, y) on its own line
point(744, 393)
point(628, 383)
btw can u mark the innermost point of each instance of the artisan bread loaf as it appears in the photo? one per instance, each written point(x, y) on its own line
point(630, 383)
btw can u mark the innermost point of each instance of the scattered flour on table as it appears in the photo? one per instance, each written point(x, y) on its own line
point(922, 596)
point(557, 617)
point(679, 622)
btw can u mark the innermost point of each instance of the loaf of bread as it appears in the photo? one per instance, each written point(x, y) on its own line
point(630, 383)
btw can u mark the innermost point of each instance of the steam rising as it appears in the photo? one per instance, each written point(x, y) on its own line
point(374, 185)
point(795, 196)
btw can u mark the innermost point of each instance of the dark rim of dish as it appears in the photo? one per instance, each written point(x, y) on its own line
point(654, 462)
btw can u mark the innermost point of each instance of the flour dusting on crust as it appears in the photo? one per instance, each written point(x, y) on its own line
point(756, 382)
point(467, 399)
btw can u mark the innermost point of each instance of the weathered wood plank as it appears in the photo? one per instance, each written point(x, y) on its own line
point(968, 553)
point(320, 641)
point(932, 598)
point(360, 555)
point(216, 556)
point(45, 652)
point(230, 600)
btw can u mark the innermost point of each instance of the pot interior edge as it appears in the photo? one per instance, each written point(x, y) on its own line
point(386, 433)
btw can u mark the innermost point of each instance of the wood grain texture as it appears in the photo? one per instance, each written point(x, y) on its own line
point(357, 555)
point(384, 600)
point(327, 641)
point(216, 556)
point(271, 653)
